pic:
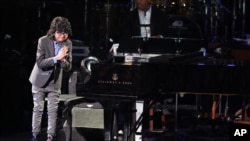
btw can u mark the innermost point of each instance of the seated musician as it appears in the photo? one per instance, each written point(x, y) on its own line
point(145, 21)
point(243, 113)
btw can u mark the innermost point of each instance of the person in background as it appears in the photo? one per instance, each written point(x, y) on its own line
point(146, 20)
point(53, 56)
point(243, 113)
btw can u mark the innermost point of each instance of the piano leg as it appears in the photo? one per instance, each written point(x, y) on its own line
point(129, 121)
point(108, 122)
point(115, 113)
point(151, 114)
point(176, 111)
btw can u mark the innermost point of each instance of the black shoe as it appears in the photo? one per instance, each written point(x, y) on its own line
point(36, 137)
point(50, 138)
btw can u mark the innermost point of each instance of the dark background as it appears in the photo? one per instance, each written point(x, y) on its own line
point(93, 23)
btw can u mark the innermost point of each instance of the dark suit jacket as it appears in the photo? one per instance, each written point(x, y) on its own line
point(130, 26)
point(44, 66)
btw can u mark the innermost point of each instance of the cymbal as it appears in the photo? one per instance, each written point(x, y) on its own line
point(167, 38)
point(180, 38)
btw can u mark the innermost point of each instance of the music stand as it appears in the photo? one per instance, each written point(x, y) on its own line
point(186, 34)
point(132, 45)
point(160, 46)
point(135, 44)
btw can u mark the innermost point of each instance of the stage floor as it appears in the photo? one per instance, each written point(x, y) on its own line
point(202, 133)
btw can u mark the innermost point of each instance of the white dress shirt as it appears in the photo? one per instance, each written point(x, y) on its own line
point(145, 22)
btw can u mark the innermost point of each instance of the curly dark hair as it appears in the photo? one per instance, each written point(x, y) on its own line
point(60, 24)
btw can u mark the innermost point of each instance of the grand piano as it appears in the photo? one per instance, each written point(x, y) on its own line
point(146, 77)
point(207, 74)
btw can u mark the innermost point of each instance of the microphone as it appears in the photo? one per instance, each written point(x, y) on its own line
point(146, 28)
point(142, 37)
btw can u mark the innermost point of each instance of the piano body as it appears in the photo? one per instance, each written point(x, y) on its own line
point(166, 73)
point(116, 82)
point(123, 79)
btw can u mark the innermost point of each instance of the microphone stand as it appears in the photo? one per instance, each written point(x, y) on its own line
point(144, 40)
point(140, 48)
point(178, 41)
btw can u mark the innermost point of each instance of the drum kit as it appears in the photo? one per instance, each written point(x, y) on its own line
point(211, 18)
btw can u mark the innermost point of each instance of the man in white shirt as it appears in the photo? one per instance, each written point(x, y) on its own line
point(145, 20)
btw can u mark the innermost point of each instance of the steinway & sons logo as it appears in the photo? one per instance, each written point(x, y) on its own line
point(115, 80)
point(115, 77)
